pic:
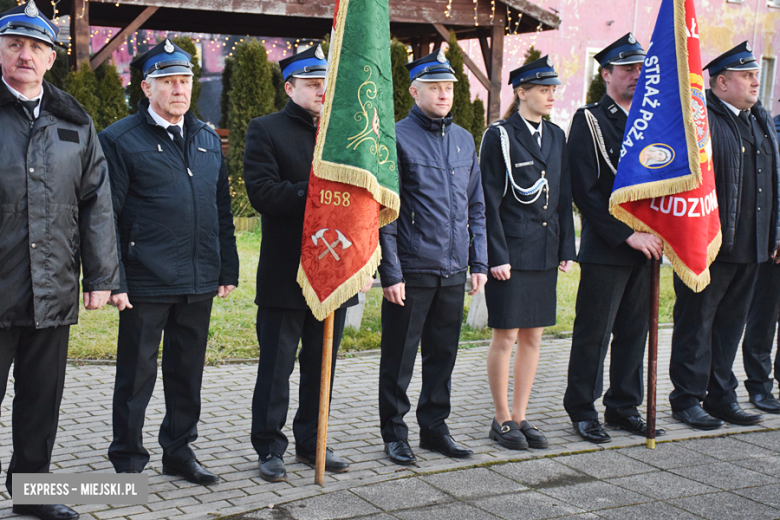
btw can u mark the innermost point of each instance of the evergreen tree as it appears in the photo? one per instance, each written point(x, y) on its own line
point(402, 99)
point(112, 98)
point(531, 55)
point(133, 89)
point(281, 97)
point(56, 75)
point(83, 85)
point(461, 105)
point(596, 89)
point(251, 95)
point(478, 124)
point(7, 5)
point(224, 97)
point(186, 43)
point(325, 44)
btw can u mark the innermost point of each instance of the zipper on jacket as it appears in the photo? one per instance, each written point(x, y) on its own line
point(195, 212)
point(449, 199)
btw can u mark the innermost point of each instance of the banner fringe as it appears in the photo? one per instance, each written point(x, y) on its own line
point(346, 174)
point(345, 291)
point(695, 282)
point(654, 190)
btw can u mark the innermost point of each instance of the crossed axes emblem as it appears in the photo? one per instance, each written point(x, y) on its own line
point(320, 235)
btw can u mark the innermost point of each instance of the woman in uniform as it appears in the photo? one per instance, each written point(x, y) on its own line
point(530, 229)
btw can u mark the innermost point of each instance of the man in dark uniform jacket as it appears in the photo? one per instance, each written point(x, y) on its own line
point(760, 333)
point(426, 254)
point(613, 296)
point(56, 218)
point(709, 324)
point(177, 249)
point(277, 163)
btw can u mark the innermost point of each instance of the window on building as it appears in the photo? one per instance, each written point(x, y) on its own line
point(591, 71)
point(767, 80)
point(773, 3)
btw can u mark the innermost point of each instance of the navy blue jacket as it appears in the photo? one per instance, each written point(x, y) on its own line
point(175, 229)
point(441, 227)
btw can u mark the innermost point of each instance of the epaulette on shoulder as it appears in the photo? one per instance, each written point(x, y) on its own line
point(588, 107)
point(552, 124)
point(498, 122)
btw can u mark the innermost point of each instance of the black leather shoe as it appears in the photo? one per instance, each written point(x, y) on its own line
point(734, 414)
point(46, 511)
point(191, 470)
point(533, 435)
point(399, 452)
point(508, 435)
point(272, 468)
point(446, 446)
point(130, 471)
point(333, 462)
point(592, 431)
point(765, 403)
point(696, 417)
point(634, 424)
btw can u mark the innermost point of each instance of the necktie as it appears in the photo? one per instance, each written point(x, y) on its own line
point(538, 138)
point(175, 131)
point(744, 115)
point(29, 106)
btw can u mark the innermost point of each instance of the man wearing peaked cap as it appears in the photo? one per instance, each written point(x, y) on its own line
point(613, 295)
point(426, 255)
point(56, 217)
point(708, 325)
point(177, 250)
point(277, 163)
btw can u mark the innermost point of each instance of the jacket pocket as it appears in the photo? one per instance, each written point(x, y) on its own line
point(152, 169)
point(152, 255)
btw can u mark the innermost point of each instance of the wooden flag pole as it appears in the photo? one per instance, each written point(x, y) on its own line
point(322, 424)
point(652, 351)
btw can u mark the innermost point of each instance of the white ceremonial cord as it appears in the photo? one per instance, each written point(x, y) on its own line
point(598, 141)
point(539, 186)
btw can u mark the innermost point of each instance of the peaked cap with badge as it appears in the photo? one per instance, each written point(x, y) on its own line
point(739, 58)
point(164, 59)
point(310, 63)
point(624, 51)
point(431, 68)
point(539, 72)
point(27, 20)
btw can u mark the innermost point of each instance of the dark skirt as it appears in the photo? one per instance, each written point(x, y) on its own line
point(527, 300)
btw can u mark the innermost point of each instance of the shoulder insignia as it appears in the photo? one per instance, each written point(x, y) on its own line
point(613, 109)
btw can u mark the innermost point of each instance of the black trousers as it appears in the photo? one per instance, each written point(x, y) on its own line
point(760, 331)
point(707, 329)
point(278, 333)
point(39, 357)
point(612, 300)
point(186, 327)
point(431, 316)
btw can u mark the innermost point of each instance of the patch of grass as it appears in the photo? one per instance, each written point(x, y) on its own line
point(232, 331)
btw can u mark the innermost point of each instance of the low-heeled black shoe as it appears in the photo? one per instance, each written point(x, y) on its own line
point(191, 470)
point(765, 403)
point(508, 435)
point(592, 431)
point(272, 468)
point(333, 462)
point(445, 445)
point(696, 417)
point(46, 511)
point(399, 452)
point(634, 424)
point(533, 435)
point(734, 414)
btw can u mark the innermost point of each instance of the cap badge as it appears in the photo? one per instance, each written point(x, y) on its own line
point(747, 47)
point(168, 46)
point(318, 53)
point(631, 39)
point(549, 62)
point(31, 10)
point(441, 58)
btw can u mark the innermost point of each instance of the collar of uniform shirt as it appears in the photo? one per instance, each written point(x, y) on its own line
point(21, 96)
point(165, 124)
point(531, 128)
point(732, 108)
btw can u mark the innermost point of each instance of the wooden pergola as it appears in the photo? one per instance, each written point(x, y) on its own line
point(415, 22)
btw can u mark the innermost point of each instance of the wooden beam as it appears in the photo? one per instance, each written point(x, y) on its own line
point(486, 52)
point(466, 59)
point(496, 68)
point(79, 32)
point(120, 37)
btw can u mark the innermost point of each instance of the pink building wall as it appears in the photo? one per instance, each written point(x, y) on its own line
point(590, 25)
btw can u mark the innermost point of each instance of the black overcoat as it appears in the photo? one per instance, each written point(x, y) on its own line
point(537, 236)
point(603, 239)
point(277, 162)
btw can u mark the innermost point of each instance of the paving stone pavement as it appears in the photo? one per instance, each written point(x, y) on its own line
point(737, 476)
